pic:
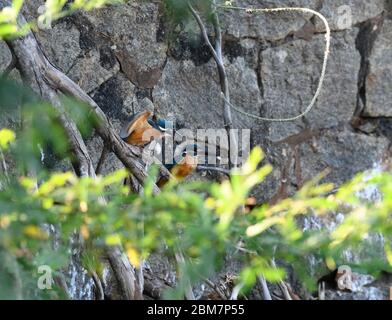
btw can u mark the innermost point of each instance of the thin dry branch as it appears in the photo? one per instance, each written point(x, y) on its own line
point(264, 286)
point(98, 286)
point(216, 288)
point(224, 83)
point(216, 169)
point(188, 292)
point(4, 166)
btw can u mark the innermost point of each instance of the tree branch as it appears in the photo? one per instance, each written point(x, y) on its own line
point(224, 84)
point(217, 169)
point(263, 283)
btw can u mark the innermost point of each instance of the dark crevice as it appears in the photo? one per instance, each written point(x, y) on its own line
point(378, 127)
point(260, 81)
point(107, 58)
point(87, 39)
point(185, 48)
point(110, 100)
point(232, 49)
point(143, 93)
point(367, 35)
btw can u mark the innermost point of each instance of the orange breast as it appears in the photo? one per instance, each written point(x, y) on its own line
point(185, 167)
point(140, 132)
point(181, 170)
point(142, 135)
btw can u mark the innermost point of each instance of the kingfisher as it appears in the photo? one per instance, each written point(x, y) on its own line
point(183, 164)
point(143, 128)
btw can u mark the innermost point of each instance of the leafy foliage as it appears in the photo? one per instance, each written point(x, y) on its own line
point(40, 212)
point(204, 221)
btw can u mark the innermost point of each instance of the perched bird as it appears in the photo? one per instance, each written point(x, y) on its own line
point(142, 129)
point(183, 164)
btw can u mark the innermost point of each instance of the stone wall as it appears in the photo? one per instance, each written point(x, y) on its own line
point(129, 59)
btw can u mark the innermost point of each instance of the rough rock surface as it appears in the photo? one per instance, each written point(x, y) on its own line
point(5, 56)
point(289, 75)
point(268, 26)
point(127, 60)
point(364, 287)
point(344, 14)
point(378, 81)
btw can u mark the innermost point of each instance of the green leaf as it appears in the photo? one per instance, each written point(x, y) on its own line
point(6, 137)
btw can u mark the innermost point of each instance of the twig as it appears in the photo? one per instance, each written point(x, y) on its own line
point(264, 286)
point(188, 290)
point(321, 290)
point(236, 291)
point(4, 165)
point(203, 31)
point(224, 84)
point(282, 285)
point(217, 169)
point(98, 286)
point(214, 287)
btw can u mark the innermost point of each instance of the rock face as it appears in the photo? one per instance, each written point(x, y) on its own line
point(344, 14)
point(289, 74)
point(378, 84)
point(129, 60)
point(5, 56)
point(268, 26)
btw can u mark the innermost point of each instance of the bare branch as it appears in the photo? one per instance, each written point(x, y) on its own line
point(203, 31)
point(98, 285)
point(236, 291)
point(217, 169)
point(224, 84)
point(264, 286)
point(4, 165)
point(216, 288)
point(282, 285)
point(188, 292)
point(124, 273)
